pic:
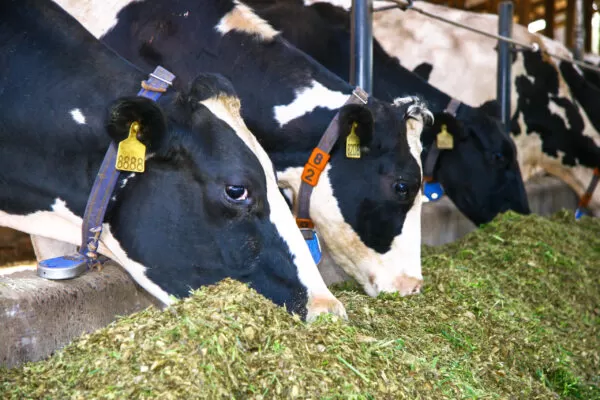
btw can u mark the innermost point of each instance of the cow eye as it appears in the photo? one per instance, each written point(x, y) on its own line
point(498, 158)
point(236, 192)
point(402, 190)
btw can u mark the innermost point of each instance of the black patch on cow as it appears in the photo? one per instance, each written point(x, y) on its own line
point(586, 94)
point(535, 92)
point(491, 108)
point(591, 76)
point(423, 70)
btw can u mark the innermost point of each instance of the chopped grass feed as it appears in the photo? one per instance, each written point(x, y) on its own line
point(510, 311)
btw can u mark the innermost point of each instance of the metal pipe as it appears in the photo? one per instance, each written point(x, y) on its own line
point(579, 31)
point(505, 13)
point(361, 45)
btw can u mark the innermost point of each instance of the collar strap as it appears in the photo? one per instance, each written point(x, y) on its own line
point(318, 161)
point(587, 196)
point(434, 152)
point(73, 265)
point(108, 175)
point(452, 107)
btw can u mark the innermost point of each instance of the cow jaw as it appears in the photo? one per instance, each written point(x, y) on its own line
point(320, 298)
point(398, 270)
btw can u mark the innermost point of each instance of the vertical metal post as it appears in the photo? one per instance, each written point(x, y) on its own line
point(361, 45)
point(505, 13)
point(579, 30)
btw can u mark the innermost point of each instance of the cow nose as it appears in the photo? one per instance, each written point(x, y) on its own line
point(407, 285)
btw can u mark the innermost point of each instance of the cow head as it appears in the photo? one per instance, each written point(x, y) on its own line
point(368, 210)
point(480, 173)
point(202, 210)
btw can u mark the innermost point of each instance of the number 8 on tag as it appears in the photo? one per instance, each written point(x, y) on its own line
point(131, 154)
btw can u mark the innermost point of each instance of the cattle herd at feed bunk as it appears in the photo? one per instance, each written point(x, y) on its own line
point(257, 84)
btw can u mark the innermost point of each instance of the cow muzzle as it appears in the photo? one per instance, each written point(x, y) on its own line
point(402, 284)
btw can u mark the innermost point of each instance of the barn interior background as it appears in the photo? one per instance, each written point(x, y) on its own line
point(555, 19)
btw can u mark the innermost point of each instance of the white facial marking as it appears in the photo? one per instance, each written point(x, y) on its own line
point(307, 99)
point(63, 225)
point(406, 247)
point(98, 17)
point(243, 19)
point(78, 116)
point(227, 109)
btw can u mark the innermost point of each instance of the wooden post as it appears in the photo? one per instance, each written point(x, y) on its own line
point(549, 11)
point(589, 12)
point(570, 25)
point(493, 6)
point(524, 8)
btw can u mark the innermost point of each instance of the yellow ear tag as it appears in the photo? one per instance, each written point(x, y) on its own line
point(444, 140)
point(131, 155)
point(353, 143)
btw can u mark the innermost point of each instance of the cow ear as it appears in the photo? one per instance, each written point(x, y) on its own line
point(361, 115)
point(491, 108)
point(210, 85)
point(126, 110)
point(423, 70)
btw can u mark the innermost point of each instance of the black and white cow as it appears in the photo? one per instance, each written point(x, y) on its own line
point(554, 130)
point(480, 174)
point(367, 210)
point(207, 205)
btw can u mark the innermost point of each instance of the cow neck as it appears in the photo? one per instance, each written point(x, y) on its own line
point(71, 266)
point(433, 190)
point(312, 171)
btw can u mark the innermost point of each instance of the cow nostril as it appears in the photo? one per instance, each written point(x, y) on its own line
point(407, 285)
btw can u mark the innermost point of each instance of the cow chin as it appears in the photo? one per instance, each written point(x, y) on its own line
point(400, 270)
point(396, 271)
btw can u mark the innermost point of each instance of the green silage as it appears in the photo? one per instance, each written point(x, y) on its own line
point(510, 311)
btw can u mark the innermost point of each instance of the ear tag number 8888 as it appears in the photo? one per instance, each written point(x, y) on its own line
point(131, 154)
point(353, 143)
